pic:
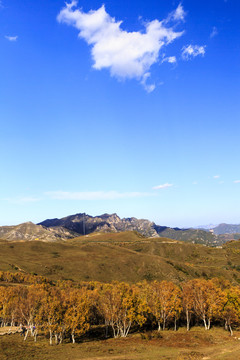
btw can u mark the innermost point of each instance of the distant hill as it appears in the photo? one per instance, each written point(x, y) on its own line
point(226, 229)
point(220, 229)
point(205, 227)
point(29, 232)
point(82, 224)
point(125, 256)
point(190, 235)
point(86, 224)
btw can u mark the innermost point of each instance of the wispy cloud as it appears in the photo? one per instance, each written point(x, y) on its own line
point(128, 55)
point(214, 32)
point(11, 38)
point(216, 176)
point(191, 51)
point(163, 186)
point(148, 87)
point(170, 59)
point(178, 14)
point(236, 181)
point(94, 195)
point(22, 200)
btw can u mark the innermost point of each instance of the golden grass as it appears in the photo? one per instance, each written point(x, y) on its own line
point(124, 256)
point(181, 345)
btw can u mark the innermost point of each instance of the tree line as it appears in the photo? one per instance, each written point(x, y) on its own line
point(63, 310)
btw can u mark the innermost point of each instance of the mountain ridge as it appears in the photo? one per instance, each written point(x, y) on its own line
point(29, 231)
point(85, 224)
point(68, 227)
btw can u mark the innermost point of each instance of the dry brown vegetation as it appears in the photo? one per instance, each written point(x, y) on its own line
point(193, 345)
point(131, 258)
point(123, 257)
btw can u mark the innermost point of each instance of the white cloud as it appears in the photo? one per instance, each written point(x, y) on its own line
point(236, 181)
point(94, 195)
point(163, 186)
point(22, 200)
point(11, 38)
point(128, 55)
point(191, 51)
point(170, 59)
point(179, 14)
point(214, 32)
point(216, 176)
point(148, 87)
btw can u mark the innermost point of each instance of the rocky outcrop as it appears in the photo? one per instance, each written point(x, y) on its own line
point(29, 232)
point(85, 224)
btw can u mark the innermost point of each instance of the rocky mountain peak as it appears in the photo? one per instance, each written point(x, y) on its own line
point(83, 224)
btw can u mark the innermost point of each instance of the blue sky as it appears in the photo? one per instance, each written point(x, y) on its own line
point(140, 118)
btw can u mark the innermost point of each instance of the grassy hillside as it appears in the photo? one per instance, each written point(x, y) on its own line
point(192, 235)
point(124, 256)
point(215, 344)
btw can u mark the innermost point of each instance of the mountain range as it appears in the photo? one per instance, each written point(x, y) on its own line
point(85, 224)
point(224, 229)
point(73, 226)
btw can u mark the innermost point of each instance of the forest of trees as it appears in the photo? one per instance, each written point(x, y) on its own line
point(64, 309)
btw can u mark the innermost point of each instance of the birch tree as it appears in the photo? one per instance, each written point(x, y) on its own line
point(231, 308)
point(165, 302)
point(76, 317)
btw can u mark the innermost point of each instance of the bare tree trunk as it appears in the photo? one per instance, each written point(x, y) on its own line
point(106, 328)
point(25, 337)
point(114, 331)
point(73, 338)
point(159, 326)
point(60, 337)
point(204, 321)
point(125, 330)
point(128, 328)
point(175, 324)
point(32, 330)
point(188, 320)
point(35, 335)
point(230, 329)
point(50, 337)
